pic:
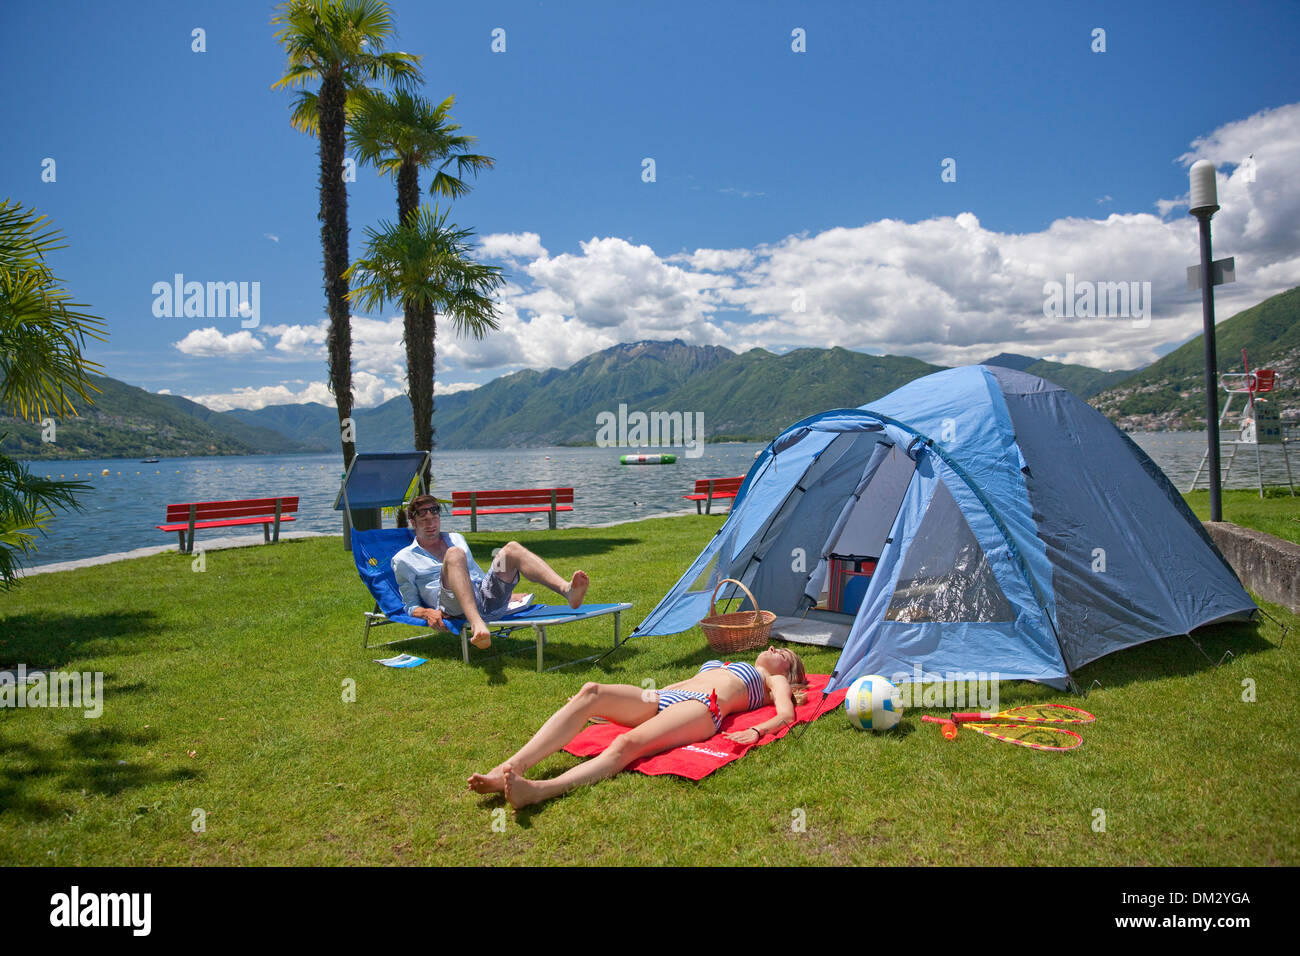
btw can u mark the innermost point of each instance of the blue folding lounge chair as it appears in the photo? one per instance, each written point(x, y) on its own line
point(373, 553)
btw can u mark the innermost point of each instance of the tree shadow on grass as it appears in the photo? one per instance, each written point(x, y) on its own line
point(53, 638)
point(515, 652)
point(91, 761)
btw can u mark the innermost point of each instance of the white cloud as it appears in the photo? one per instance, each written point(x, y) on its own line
point(367, 391)
point(302, 340)
point(440, 388)
point(513, 246)
point(946, 289)
point(210, 342)
point(718, 259)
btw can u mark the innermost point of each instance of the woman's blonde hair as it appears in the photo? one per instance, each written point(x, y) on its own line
point(798, 679)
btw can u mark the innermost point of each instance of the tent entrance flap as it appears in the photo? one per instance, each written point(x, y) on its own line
point(861, 531)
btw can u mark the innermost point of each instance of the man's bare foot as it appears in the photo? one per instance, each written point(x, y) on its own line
point(577, 589)
point(482, 637)
point(493, 781)
point(520, 791)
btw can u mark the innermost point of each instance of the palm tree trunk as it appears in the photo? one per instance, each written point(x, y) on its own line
point(419, 343)
point(408, 191)
point(334, 242)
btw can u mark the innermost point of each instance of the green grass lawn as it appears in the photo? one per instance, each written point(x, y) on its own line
point(225, 693)
point(1277, 513)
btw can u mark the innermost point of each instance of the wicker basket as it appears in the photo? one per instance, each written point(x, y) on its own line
point(739, 630)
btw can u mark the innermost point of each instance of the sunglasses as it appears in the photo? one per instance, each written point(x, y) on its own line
point(427, 510)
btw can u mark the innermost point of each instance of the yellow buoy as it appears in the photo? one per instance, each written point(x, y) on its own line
point(104, 473)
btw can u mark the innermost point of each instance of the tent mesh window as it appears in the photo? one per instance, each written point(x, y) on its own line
point(707, 579)
point(945, 576)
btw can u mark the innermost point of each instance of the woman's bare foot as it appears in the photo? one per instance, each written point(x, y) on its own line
point(577, 589)
point(493, 781)
point(520, 791)
point(482, 637)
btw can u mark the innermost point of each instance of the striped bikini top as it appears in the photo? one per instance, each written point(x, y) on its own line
point(747, 673)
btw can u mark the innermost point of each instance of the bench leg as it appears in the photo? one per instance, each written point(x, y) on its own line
point(266, 532)
point(180, 541)
point(699, 507)
point(541, 643)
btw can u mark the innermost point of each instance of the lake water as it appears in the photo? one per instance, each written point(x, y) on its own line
point(125, 505)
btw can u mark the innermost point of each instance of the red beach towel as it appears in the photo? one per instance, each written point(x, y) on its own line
point(697, 761)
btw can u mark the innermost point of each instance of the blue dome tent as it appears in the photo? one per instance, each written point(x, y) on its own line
point(975, 520)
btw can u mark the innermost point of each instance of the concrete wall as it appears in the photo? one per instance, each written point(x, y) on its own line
point(1268, 566)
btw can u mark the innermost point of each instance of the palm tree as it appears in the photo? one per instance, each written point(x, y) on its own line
point(339, 43)
point(402, 134)
point(42, 369)
point(427, 263)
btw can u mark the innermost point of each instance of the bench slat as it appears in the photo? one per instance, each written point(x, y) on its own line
point(462, 512)
point(187, 517)
point(709, 489)
point(523, 496)
point(504, 501)
point(230, 523)
point(230, 509)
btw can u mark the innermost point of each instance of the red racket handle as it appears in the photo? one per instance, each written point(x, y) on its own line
point(947, 726)
point(963, 718)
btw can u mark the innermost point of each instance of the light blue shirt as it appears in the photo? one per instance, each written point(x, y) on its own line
point(419, 574)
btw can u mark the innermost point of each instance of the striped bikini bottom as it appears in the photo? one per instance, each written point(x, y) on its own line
point(710, 700)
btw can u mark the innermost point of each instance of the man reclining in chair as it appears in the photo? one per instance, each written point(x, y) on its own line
point(437, 575)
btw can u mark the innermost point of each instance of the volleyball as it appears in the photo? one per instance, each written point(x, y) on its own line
point(873, 703)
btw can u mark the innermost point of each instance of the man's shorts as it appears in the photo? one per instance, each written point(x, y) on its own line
point(491, 594)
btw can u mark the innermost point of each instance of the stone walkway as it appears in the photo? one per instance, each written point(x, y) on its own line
point(208, 544)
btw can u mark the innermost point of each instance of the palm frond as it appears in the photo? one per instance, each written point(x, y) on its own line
point(42, 331)
point(427, 262)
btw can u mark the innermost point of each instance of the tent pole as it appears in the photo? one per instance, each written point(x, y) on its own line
point(1197, 645)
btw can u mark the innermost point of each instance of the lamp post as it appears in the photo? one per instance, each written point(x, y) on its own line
point(1204, 204)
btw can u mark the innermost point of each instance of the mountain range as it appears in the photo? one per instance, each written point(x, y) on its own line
point(750, 395)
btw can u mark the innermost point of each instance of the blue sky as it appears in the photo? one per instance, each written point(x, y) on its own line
point(797, 196)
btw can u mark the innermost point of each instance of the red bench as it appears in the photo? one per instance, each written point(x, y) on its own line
point(511, 502)
point(184, 519)
point(706, 489)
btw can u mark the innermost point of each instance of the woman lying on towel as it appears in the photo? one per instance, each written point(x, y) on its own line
point(687, 712)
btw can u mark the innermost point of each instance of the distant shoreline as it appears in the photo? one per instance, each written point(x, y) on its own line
point(648, 449)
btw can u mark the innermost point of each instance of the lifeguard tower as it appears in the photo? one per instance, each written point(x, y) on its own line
point(1260, 424)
